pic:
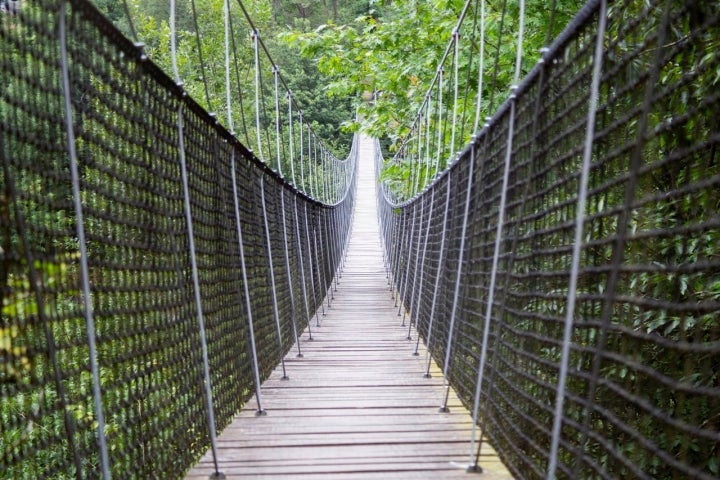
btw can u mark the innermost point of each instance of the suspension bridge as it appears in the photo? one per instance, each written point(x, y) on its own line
point(537, 298)
point(354, 406)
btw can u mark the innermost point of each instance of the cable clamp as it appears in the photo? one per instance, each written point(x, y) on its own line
point(181, 85)
point(543, 53)
point(141, 50)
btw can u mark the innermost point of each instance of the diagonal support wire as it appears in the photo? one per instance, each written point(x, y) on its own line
point(246, 288)
point(286, 248)
point(458, 278)
point(196, 285)
point(271, 268)
point(578, 241)
point(82, 245)
point(301, 259)
point(473, 464)
point(438, 276)
point(191, 246)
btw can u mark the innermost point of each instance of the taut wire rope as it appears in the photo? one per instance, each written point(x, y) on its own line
point(473, 464)
point(203, 74)
point(271, 268)
point(191, 247)
point(456, 292)
point(438, 276)
point(578, 240)
point(82, 244)
point(415, 300)
point(288, 271)
point(246, 288)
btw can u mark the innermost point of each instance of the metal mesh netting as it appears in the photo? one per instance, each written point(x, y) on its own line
point(148, 370)
point(642, 396)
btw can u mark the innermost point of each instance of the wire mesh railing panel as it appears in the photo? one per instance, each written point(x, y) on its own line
point(536, 252)
point(444, 289)
point(284, 308)
point(591, 352)
point(135, 275)
point(37, 395)
point(654, 248)
point(220, 282)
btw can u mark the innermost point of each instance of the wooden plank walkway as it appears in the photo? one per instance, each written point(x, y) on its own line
point(357, 406)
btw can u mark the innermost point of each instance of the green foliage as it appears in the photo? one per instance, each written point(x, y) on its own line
point(151, 22)
point(394, 51)
point(293, 13)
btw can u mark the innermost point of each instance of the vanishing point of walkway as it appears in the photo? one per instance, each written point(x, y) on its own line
point(357, 406)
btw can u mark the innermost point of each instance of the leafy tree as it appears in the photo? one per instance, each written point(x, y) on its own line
point(151, 22)
point(395, 49)
point(317, 12)
point(384, 51)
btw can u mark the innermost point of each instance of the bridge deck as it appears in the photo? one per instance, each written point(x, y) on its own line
point(357, 405)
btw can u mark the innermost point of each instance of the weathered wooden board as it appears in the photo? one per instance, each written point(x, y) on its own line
point(357, 405)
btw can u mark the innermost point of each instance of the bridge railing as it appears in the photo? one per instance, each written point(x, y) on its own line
point(152, 270)
point(565, 270)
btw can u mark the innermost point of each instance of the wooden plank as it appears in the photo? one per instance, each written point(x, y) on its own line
point(357, 405)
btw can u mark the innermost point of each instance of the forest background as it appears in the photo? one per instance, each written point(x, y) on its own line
point(335, 54)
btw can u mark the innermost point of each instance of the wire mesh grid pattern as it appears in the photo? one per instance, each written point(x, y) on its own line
point(102, 371)
point(641, 352)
